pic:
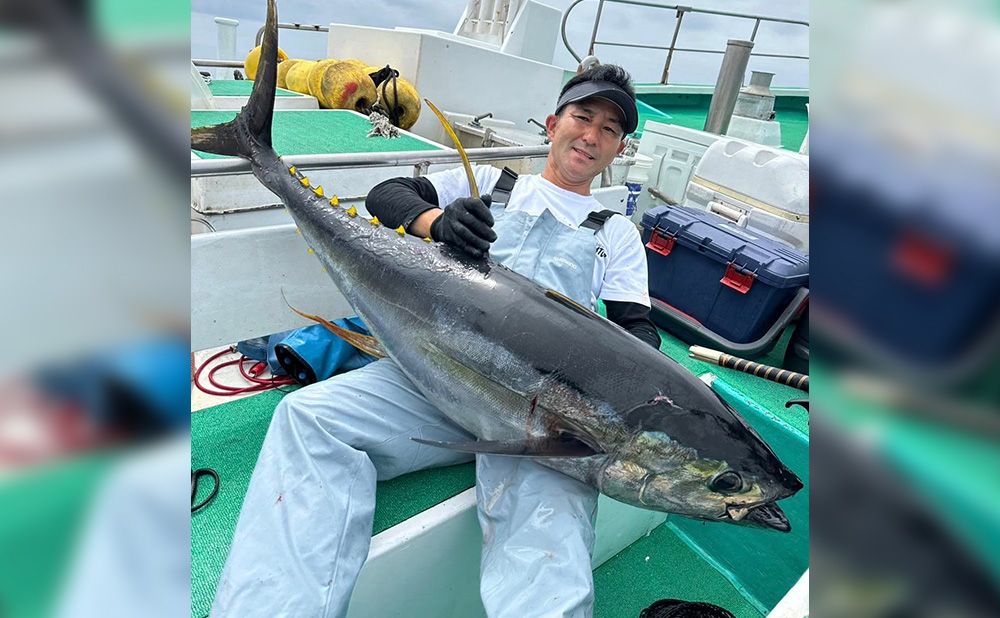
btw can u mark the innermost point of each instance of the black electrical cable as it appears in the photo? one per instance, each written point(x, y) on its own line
point(197, 474)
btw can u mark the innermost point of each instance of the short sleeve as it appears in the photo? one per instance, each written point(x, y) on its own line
point(626, 275)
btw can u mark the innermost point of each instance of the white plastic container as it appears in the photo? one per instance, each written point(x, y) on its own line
point(673, 152)
point(757, 187)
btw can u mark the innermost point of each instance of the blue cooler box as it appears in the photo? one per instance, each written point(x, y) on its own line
point(735, 284)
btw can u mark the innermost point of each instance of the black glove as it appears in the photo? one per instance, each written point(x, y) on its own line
point(466, 224)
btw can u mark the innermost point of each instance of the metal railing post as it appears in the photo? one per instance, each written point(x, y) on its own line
point(670, 53)
point(727, 87)
point(753, 35)
point(597, 20)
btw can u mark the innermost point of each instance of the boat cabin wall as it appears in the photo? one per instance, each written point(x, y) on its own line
point(458, 75)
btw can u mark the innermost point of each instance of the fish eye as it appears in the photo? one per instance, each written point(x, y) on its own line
point(727, 482)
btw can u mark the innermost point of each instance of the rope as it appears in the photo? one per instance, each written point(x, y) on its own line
point(382, 78)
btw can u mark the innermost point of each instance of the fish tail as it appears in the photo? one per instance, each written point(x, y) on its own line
point(253, 124)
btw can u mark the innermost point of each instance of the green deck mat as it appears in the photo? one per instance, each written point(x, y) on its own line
point(769, 395)
point(228, 438)
point(241, 88)
point(296, 132)
point(661, 566)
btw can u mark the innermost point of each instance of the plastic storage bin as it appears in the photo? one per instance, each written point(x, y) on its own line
point(714, 282)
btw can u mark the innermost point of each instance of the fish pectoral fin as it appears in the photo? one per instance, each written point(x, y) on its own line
point(566, 301)
point(561, 446)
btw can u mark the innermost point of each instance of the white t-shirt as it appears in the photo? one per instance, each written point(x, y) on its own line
point(620, 267)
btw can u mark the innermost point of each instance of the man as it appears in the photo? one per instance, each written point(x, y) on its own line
point(305, 527)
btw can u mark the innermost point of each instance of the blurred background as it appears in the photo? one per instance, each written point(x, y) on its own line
point(94, 267)
point(94, 273)
point(905, 242)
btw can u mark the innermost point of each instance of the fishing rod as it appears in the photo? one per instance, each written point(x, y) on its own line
point(775, 374)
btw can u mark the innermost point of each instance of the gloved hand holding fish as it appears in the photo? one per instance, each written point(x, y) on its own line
point(526, 370)
point(466, 223)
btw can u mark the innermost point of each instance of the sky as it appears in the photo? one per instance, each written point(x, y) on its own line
point(619, 23)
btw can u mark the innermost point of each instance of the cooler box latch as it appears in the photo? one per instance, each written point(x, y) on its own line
point(739, 281)
point(660, 243)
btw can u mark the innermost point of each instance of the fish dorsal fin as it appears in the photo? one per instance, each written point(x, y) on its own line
point(566, 301)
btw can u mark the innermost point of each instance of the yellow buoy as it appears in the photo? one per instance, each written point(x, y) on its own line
point(316, 75)
point(253, 58)
point(345, 86)
point(297, 78)
point(283, 68)
point(400, 102)
point(361, 64)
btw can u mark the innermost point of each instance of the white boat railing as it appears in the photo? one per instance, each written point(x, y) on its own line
point(419, 159)
point(678, 20)
point(291, 26)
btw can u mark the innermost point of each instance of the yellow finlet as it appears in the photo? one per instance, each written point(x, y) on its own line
point(352, 212)
point(401, 231)
point(304, 181)
point(318, 190)
point(310, 251)
point(292, 170)
point(298, 231)
point(427, 239)
point(374, 221)
point(334, 201)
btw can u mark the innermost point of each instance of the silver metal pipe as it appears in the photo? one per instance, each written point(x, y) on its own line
point(673, 43)
point(229, 64)
point(700, 51)
point(711, 12)
point(727, 87)
point(308, 27)
point(597, 21)
point(236, 166)
point(755, 54)
point(635, 45)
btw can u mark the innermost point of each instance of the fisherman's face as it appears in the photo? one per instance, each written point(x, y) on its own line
point(586, 137)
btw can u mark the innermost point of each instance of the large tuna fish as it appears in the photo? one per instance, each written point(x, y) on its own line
point(524, 369)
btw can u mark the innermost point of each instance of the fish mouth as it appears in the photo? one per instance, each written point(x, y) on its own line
point(766, 515)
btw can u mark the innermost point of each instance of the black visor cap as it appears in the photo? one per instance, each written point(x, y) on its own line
point(603, 90)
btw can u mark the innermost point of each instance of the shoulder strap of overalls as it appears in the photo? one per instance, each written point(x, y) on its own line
point(596, 220)
point(501, 192)
point(501, 195)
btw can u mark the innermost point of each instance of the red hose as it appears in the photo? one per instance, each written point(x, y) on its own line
point(257, 384)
